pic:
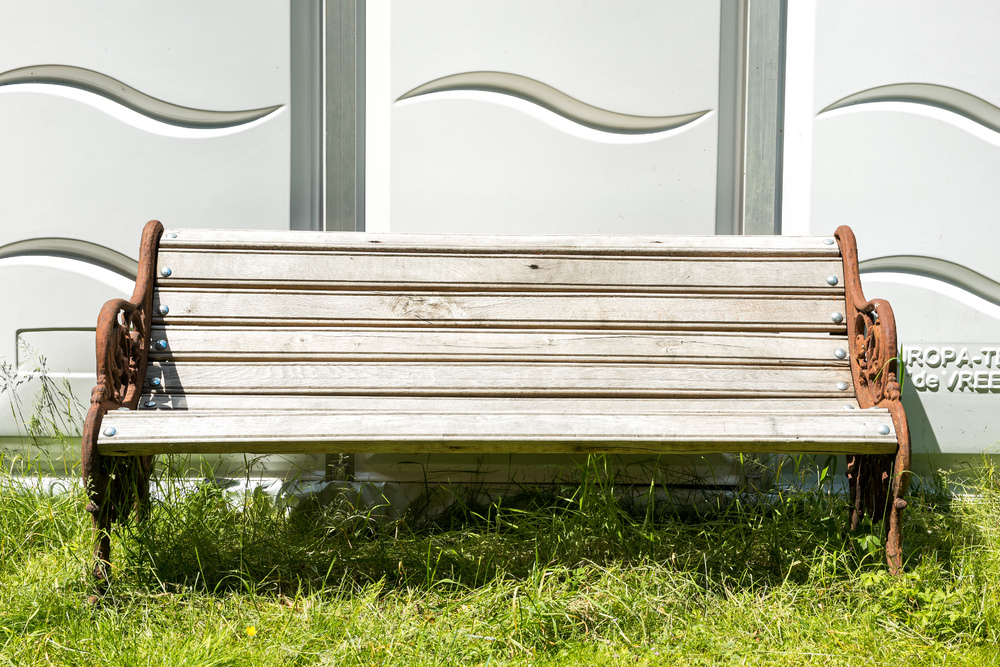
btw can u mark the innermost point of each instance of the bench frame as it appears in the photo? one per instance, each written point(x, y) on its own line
point(118, 486)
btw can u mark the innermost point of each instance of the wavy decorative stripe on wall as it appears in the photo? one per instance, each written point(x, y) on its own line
point(123, 94)
point(940, 269)
point(956, 101)
point(77, 249)
point(556, 101)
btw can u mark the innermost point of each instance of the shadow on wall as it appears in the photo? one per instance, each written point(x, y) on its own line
point(922, 435)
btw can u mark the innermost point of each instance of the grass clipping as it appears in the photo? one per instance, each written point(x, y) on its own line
point(574, 574)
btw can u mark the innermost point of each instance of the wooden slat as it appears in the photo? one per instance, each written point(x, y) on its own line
point(480, 379)
point(310, 308)
point(433, 404)
point(276, 432)
point(186, 343)
point(683, 246)
point(411, 271)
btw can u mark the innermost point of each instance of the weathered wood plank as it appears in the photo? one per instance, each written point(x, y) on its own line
point(247, 431)
point(482, 379)
point(744, 246)
point(187, 343)
point(494, 272)
point(541, 310)
point(442, 405)
point(500, 447)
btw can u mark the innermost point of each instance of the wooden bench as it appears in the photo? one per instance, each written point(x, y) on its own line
point(282, 342)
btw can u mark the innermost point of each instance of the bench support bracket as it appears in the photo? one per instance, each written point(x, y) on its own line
point(877, 482)
point(118, 486)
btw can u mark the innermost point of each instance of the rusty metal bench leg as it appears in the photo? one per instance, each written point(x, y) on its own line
point(869, 479)
point(116, 486)
point(877, 482)
point(96, 481)
point(900, 482)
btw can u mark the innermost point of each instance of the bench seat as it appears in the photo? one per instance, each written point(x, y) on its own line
point(301, 342)
point(534, 428)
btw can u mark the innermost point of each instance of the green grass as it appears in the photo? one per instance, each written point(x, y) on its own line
point(569, 576)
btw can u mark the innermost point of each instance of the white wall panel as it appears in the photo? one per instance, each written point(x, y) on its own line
point(474, 158)
point(524, 176)
point(908, 184)
point(224, 54)
point(109, 116)
point(58, 298)
point(861, 45)
point(96, 165)
point(75, 171)
point(952, 392)
point(893, 127)
point(632, 56)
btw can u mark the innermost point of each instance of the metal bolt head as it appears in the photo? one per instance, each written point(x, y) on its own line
point(848, 407)
point(126, 409)
point(161, 344)
point(110, 431)
point(840, 353)
point(155, 382)
point(171, 236)
point(164, 310)
point(842, 386)
point(150, 404)
point(832, 280)
point(837, 317)
point(828, 241)
point(883, 430)
point(165, 272)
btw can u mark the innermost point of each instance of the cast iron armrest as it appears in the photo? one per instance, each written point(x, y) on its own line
point(123, 338)
point(871, 335)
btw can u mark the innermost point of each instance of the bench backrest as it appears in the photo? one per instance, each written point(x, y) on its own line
point(294, 314)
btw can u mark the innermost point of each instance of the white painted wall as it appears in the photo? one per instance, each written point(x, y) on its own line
point(915, 178)
point(83, 166)
point(473, 161)
point(80, 166)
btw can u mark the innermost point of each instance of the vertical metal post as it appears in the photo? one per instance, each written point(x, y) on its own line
point(765, 74)
point(306, 141)
point(359, 115)
point(732, 71)
point(345, 95)
point(762, 150)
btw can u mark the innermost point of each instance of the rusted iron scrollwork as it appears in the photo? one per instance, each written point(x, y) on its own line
point(878, 482)
point(117, 486)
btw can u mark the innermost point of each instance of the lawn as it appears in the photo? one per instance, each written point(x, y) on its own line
point(570, 574)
